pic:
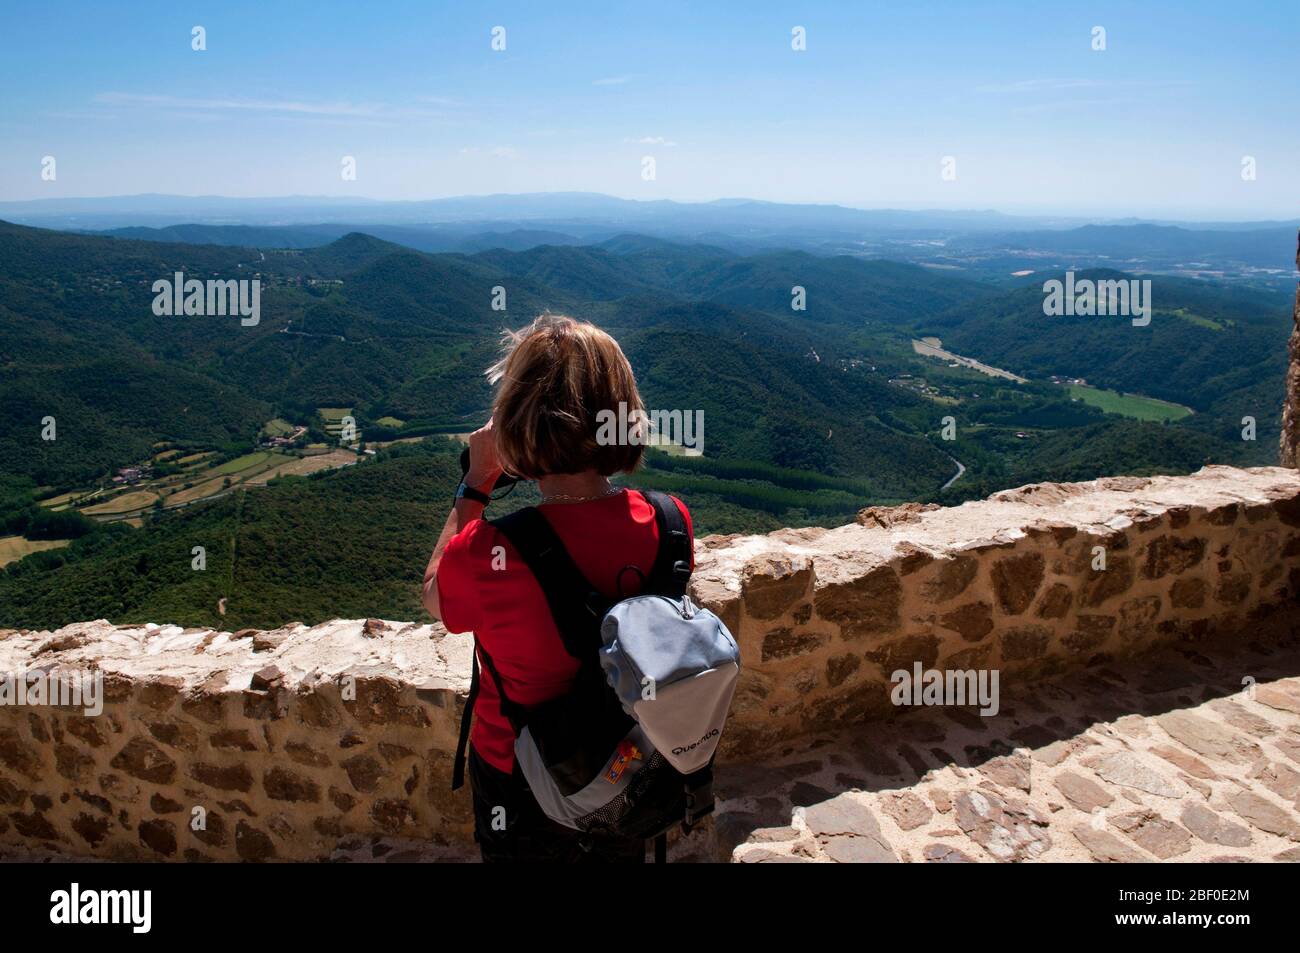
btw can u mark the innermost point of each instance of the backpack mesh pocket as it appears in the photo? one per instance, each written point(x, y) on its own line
point(656, 792)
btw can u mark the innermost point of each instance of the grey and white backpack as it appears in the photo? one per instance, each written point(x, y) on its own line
point(628, 751)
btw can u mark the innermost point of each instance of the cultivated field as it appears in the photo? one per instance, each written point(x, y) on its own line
point(198, 481)
point(1129, 405)
point(301, 466)
point(243, 463)
point(14, 548)
point(277, 427)
point(131, 502)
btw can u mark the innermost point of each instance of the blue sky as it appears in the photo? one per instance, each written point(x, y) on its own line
point(1037, 121)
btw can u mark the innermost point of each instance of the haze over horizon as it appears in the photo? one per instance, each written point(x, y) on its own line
point(343, 201)
point(1156, 125)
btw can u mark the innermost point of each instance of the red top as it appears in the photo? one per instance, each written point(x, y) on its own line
point(491, 592)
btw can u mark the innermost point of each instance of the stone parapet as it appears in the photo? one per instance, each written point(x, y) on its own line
point(1030, 583)
point(285, 742)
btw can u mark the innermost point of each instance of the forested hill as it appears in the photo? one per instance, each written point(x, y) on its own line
point(353, 543)
point(814, 402)
point(1216, 348)
point(407, 334)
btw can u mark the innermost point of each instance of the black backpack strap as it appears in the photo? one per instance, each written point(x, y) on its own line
point(672, 568)
point(517, 715)
point(699, 796)
point(576, 605)
point(466, 716)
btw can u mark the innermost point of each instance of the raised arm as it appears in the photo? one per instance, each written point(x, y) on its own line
point(482, 476)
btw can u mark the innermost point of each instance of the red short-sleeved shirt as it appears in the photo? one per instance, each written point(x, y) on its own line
point(507, 612)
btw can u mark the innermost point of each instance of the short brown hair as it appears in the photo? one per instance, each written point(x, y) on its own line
point(556, 375)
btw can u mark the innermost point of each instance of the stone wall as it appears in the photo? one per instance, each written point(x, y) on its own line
point(288, 742)
point(1013, 583)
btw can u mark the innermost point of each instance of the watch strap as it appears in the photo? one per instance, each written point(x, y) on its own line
point(469, 493)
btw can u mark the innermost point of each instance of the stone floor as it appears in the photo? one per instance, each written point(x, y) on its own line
point(1191, 754)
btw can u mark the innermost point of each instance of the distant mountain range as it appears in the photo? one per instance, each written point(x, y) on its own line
point(984, 245)
point(446, 239)
point(580, 209)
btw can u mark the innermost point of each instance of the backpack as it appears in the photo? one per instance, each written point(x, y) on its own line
point(628, 751)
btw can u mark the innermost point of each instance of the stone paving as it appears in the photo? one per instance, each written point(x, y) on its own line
point(1190, 754)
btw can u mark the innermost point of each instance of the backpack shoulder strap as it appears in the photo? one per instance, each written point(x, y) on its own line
point(672, 568)
point(576, 606)
point(516, 714)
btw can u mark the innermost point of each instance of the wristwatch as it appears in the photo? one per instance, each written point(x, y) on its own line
point(469, 493)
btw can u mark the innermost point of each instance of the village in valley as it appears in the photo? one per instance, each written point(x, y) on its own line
point(177, 476)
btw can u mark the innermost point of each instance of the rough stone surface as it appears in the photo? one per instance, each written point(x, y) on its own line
point(178, 731)
point(1016, 580)
point(1265, 814)
point(1008, 829)
point(908, 811)
point(1212, 828)
point(1154, 833)
point(1104, 847)
point(1084, 794)
point(1212, 739)
point(1123, 768)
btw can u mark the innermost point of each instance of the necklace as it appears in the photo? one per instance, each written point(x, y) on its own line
point(565, 498)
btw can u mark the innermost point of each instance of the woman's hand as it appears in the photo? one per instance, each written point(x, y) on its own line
point(484, 467)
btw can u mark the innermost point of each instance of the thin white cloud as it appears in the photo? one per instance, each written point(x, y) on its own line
point(651, 141)
point(496, 152)
point(80, 115)
point(1060, 85)
point(1067, 105)
point(330, 110)
point(1039, 85)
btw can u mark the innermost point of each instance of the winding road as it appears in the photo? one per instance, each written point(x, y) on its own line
point(961, 468)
